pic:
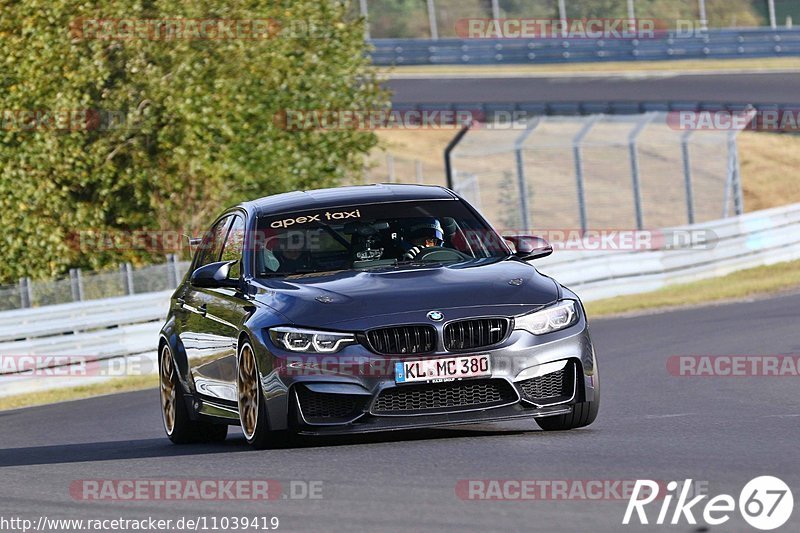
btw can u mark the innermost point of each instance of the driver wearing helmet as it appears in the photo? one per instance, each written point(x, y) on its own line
point(426, 233)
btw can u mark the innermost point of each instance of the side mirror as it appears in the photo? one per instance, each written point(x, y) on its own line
point(214, 276)
point(528, 247)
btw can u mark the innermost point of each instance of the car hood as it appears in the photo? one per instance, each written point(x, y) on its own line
point(361, 299)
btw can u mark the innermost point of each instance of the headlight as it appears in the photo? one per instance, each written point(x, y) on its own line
point(310, 341)
point(562, 315)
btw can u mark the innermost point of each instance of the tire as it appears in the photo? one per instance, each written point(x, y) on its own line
point(583, 414)
point(252, 407)
point(180, 428)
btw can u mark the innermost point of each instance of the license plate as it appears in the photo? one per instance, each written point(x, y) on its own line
point(471, 366)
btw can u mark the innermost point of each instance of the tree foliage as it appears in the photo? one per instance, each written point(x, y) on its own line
point(194, 126)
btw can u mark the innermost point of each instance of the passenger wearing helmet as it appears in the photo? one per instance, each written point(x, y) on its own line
point(426, 233)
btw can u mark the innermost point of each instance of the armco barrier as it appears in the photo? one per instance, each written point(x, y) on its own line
point(128, 326)
point(713, 44)
point(751, 240)
point(95, 329)
point(503, 111)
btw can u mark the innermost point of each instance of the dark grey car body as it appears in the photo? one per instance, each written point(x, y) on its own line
point(355, 389)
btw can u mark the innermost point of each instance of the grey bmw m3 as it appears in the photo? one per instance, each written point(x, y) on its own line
point(369, 308)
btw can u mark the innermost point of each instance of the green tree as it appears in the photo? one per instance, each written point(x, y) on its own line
point(196, 117)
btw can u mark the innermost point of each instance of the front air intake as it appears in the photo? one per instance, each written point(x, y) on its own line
point(402, 340)
point(474, 333)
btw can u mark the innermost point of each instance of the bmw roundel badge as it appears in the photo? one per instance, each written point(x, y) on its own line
point(436, 316)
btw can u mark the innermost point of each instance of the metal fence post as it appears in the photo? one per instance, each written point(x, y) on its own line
point(634, 155)
point(75, 284)
point(733, 183)
point(390, 167)
point(365, 14)
point(176, 268)
point(25, 293)
point(687, 175)
point(126, 270)
point(496, 9)
point(562, 16)
point(432, 20)
point(448, 151)
point(772, 21)
point(522, 181)
point(703, 16)
point(576, 151)
point(738, 196)
point(172, 279)
point(79, 276)
point(729, 179)
point(123, 276)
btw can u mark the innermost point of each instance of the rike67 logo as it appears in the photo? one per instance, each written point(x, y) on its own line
point(765, 503)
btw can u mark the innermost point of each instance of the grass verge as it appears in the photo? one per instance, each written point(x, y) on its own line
point(678, 66)
point(742, 284)
point(124, 384)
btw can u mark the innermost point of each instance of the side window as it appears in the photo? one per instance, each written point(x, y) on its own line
point(232, 250)
point(211, 246)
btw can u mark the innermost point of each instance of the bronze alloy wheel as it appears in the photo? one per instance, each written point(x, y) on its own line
point(167, 376)
point(247, 382)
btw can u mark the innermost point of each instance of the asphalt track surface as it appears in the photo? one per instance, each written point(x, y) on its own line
point(744, 88)
point(722, 431)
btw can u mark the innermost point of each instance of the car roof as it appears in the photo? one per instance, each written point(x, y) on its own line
point(346, 196)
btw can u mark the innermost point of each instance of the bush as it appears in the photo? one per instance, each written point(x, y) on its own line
point(197, 130)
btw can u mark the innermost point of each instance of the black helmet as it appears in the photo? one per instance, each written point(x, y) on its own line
point(427, 229)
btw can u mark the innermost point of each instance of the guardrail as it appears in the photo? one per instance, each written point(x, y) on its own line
point(713, 44)
point(94, 330)
point(747, 241)
point(124, 327)
point(487, 111)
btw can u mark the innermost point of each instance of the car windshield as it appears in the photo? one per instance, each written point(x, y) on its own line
point(372, 236)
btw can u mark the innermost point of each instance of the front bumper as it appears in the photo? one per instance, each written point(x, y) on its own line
point(372, 424)
point(519, 359)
